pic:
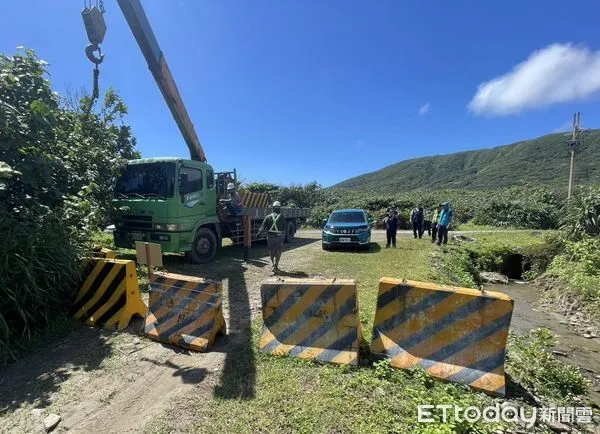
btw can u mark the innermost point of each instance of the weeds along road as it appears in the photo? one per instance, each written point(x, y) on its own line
point(103, 381)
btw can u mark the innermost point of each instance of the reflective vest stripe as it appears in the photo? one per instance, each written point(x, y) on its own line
point(274, 227)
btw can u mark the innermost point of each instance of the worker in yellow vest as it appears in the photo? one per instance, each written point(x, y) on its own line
point(274, 224)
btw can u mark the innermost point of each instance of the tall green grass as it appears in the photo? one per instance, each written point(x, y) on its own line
point(38, 273)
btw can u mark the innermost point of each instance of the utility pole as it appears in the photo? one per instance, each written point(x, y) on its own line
point(573, 144)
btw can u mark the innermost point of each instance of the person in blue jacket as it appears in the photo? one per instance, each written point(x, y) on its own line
point(444, 221)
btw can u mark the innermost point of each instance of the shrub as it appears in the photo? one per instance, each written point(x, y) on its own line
point(520, 207)
point(581, 214)
point(579, 268)
point(58, 164)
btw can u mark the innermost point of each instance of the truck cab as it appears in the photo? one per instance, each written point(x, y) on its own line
point(166, 201)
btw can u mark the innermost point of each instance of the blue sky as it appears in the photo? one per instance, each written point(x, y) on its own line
point(295, 91)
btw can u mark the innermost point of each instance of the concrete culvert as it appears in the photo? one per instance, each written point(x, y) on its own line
point(514, 266)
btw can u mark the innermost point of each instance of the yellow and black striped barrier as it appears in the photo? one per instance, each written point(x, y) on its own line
point(311, 319)
point(109, 295)
point(102, 253)
point(457, 334)
point(255, 200)
point(185, 311)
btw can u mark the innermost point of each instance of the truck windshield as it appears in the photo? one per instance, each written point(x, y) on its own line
point(347, 217)
point(147, 180)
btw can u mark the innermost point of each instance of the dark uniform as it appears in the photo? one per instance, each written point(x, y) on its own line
point(274, 224)
point(391, 228)
point(417, 218)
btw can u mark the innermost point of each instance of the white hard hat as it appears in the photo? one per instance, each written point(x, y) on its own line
point(231, 186)
point(276, 204)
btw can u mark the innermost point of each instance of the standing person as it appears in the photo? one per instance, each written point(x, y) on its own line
point(434, 223)
point(417, 218)
point(391, 227)
point(422, 223)
point(274, 224)
point(443, 223)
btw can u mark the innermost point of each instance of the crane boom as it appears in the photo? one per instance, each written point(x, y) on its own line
point(140, 27)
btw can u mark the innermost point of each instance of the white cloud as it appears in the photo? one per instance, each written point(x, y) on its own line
point(360, 144)
point(424, 109)
point(555, 74)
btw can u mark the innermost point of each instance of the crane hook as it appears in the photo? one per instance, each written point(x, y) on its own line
point(90, 53)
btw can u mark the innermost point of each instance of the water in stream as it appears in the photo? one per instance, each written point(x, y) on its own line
point(580, 351)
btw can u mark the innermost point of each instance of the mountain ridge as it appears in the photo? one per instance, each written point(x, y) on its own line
point(543, 160)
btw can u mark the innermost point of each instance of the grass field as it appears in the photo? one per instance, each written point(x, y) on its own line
point(273, 394)
point(292, 395)
point(138, 384)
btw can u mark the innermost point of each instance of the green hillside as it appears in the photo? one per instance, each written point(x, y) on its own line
point(544, 160)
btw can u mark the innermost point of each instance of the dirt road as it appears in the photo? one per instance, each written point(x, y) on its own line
point(102, 381)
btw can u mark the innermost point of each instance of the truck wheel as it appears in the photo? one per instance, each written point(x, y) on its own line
point(290, 231)
point(204, 247)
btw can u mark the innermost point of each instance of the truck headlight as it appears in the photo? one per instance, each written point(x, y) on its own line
point(165, 227)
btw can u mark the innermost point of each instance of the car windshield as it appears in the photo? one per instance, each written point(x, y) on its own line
point(347, 217)
point(147, 180)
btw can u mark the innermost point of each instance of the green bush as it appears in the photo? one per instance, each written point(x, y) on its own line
point(520, 207)
point(59, 160)
point(581, 214)
point(458, 268)
point(578, 267)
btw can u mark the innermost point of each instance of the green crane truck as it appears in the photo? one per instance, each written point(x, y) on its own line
point(174, 201)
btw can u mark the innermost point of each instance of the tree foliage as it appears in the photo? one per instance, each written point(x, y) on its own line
point(293, 196)
point(58, 165)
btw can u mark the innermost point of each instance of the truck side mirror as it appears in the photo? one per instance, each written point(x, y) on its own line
point(324, 222)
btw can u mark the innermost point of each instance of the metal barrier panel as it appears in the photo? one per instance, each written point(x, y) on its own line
point(109, 295)
point(185, 311)
point(458, 334)
point(312, 319)
point(255, 200)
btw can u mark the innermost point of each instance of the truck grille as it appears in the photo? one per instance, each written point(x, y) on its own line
point(133, 222)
